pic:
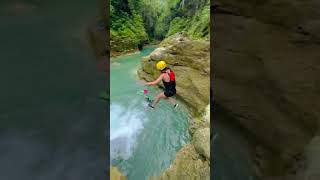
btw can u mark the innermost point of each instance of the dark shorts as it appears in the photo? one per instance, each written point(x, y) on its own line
point(169, 93)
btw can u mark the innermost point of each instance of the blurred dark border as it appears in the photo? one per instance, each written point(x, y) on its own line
point(105, 14)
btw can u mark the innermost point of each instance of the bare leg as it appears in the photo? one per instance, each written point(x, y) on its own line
point(172, 100)
point(157, 99)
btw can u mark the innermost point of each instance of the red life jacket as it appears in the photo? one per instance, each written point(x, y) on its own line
point(171, 85)
point(171, 75)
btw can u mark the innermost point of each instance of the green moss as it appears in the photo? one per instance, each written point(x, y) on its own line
point(127, 29)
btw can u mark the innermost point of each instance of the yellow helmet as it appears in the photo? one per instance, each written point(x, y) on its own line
point(161, 65)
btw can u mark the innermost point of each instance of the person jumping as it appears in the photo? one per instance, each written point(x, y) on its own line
point(168, 78)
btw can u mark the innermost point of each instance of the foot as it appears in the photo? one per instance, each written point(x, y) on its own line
point(150, 104)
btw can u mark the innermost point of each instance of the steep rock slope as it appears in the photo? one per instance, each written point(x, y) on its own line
point(190, 61)
point(266, 66)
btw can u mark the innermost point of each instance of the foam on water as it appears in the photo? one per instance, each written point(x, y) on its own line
point(126, 123)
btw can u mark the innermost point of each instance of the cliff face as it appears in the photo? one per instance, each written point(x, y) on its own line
point(265, 64)
point(190, 61)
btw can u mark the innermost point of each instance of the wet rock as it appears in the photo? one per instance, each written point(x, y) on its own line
point(158, 54)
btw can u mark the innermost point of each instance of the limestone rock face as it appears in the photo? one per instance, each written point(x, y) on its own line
point(266, 69)
point(265, 73)
point(190, 61)
point(201, 142)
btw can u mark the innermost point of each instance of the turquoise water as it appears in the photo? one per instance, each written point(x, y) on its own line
point(143, 141)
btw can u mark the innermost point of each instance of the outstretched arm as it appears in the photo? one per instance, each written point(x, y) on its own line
point(156, 81)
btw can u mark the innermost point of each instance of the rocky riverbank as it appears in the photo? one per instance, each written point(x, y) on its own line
point(129, 52)
point(124, 52)
point(266, 65)
point(190, 61)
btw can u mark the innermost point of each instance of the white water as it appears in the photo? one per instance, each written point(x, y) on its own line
point(126, 125)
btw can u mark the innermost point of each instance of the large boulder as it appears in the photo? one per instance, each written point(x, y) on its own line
point(206, 116)
point(201, 142)
point(189, 60)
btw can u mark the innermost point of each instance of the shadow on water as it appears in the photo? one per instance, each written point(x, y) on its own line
point(53, 125)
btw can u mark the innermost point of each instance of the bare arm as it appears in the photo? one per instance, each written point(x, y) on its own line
point(156, 81)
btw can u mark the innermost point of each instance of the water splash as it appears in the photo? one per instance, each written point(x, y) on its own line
point(126, 125)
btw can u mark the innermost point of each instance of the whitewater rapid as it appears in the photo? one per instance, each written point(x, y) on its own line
point(126, 124)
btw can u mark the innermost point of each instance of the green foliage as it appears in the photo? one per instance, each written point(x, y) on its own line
point(127, 29)
point(198, 27)
point(178, 24)
point(166, 14)
point(191, 16)
point(135, 22)
point(150, 14)
point(194, 20)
